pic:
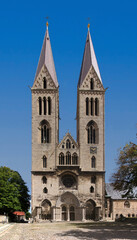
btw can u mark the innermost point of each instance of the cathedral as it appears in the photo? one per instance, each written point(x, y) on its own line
point(68, 177)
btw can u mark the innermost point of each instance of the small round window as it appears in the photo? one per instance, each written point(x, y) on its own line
point(68, 181)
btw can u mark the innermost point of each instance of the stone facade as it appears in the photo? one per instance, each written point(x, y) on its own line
point(68, 177)
point(116, 206)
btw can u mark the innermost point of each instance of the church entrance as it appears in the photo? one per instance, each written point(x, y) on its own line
point(72, 213)
point(68, 213)
point(90, 210)
point(69, 207)
point(64, 213)
point(46, 210)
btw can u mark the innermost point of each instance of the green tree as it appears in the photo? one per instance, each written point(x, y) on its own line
point(125, 179)
point(13, 192)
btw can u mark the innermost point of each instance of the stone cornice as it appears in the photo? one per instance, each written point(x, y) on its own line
point(44, 90)
point(67, 169)
point(93, 92)
point(94, 172)
point(42, 172)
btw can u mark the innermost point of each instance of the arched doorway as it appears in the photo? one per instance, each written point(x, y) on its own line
point(72, 213)
point(46, 209)
point(64, 213)
point(69, 207)
point(90, 210)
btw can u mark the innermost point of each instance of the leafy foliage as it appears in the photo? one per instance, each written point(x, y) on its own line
point(125, 179)
point(13, 192)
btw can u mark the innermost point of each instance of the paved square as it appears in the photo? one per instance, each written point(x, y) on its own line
point(71, 231)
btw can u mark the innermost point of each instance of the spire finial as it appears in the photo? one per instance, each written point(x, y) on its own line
point(88, 23)
point(47, 24)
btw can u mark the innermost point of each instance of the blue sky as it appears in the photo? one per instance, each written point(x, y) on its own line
point(114, 36)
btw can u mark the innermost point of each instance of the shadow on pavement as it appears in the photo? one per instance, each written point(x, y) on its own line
point(100, 234)
point(102, 231)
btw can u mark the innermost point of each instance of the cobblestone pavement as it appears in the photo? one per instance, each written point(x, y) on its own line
point(71, 231)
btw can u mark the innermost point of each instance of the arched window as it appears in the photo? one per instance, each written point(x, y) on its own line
point(92, 132)
point(44, 162)
point(74, 159)
point(96, 106)
point(92, 189)
point(44, 179)
point(45, 190)
point(61, 159)
point(68, 144)
point(92, 106)
point(44, 82)
point(93, 179)
point(44, 105)
point(45, 132)
point(40, 106)
point(49, 106)
point(92, 84)
point(93, 162)
point(68, 158)
point(87, 106)
point(127, 204)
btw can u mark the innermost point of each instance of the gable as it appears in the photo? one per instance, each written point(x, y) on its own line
point(38, 83)
point(65, 140)
point(91, 75)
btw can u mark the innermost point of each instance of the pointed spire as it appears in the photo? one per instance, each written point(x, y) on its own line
point(46, 58)
point(89, 59)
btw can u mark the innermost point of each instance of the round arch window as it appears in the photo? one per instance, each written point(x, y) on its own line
point(68, 180)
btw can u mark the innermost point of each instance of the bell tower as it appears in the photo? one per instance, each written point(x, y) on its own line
point(45, 120)
point(90, 120)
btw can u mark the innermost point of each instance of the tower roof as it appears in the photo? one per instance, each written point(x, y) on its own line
point(89, 59)
point(46, 58)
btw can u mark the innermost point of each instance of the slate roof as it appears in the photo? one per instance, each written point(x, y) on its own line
point(89, 59)
point(114, 194)
point(46, 58)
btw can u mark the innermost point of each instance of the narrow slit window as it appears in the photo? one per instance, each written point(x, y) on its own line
point(44, 162)
point(44, 105)
point(44, 83)
point(92, 102)
point(96, 106)
point(40, 106)
point(87, 106)
point(44, 180)
point(92, 84)
point(49, 106)
point(93, 162)
point(92, 189)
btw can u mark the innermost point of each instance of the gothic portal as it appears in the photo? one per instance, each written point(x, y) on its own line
point(68, 176)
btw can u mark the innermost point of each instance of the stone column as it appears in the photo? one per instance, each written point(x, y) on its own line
point(54, 213)
point(83, 214)
point(68, 219)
